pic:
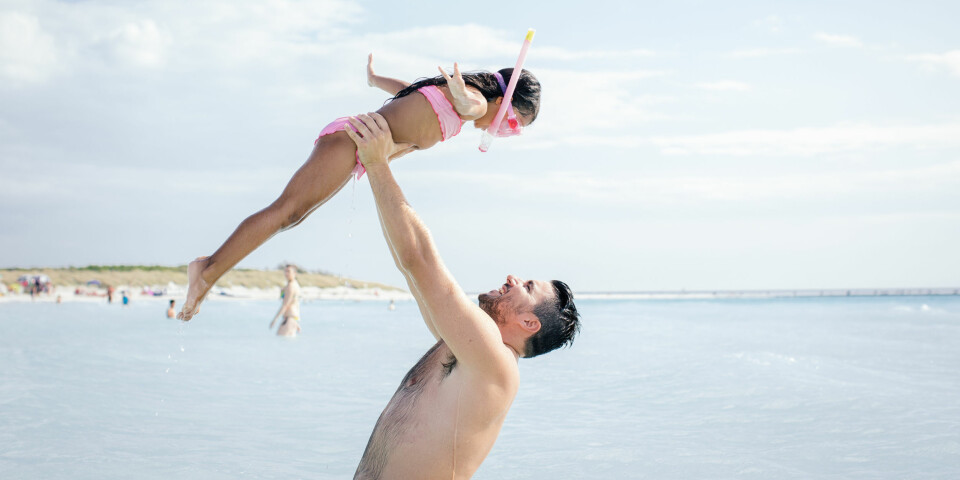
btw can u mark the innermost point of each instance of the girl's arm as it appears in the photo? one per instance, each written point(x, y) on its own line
point(470, 104)
point(387, 84)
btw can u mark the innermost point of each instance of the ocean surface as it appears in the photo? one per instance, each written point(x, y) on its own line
point(806, 388)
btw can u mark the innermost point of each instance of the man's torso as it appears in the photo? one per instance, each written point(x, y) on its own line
point(438, 422)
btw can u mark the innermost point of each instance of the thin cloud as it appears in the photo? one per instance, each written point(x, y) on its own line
point(424, 45)
point(555, 53)
point(691, 190)
point(609, 99)
point(771, 23)
point(763, 52)
point(936, 61)
point(838, 40)
point(430, 42)
point(22, 182)
point(27, 52)
point(810, 141)
point(147, 34)
point(140, 44)
point(724, 86)
point(775, 143)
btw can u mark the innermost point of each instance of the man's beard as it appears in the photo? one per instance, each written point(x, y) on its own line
point(491, 305)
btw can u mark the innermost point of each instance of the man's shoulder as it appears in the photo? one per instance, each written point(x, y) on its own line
point(505, 371)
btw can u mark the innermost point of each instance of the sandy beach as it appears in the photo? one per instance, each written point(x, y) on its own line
point(89, 284)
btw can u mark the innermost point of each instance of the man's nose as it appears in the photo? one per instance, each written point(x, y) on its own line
point(512, 280)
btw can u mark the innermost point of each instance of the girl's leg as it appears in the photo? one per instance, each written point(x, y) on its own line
point(321, 176)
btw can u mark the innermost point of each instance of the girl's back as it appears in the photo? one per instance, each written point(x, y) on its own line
point(412, 120)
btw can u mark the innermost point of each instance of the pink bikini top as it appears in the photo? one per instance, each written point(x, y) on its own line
point(450, 122)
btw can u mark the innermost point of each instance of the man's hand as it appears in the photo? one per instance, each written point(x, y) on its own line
point(373, 138)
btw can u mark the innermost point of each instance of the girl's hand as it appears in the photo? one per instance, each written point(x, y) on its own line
point(370, 75)
point(387, 84)
point(469, 104)
point(455, 83)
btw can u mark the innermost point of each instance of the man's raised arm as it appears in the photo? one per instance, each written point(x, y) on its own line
point(470, 333)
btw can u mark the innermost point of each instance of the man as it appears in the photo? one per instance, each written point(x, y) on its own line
point(448, 411)
point(290, 305)
point(171, 311)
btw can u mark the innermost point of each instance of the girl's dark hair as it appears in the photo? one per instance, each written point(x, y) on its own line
point(526, 97)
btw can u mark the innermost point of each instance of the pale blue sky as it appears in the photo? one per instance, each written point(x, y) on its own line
point(689, 145)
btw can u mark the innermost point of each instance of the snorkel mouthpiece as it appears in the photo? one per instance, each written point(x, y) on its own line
point(486, 139)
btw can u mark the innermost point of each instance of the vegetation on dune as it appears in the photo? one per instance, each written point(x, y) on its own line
point(130, 268)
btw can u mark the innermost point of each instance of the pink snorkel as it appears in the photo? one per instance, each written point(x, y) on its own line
point(487, 138)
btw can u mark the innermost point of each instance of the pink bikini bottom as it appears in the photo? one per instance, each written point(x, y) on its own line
point(336, 126)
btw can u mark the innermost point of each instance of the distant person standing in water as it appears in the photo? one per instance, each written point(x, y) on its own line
point(170, 311)
point(290, 308)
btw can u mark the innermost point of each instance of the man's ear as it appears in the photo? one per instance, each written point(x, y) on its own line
point(530, 323)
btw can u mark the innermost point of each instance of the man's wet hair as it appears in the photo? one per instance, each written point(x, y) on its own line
point(559, 322)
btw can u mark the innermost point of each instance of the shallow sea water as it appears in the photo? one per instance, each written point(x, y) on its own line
point(749, 389)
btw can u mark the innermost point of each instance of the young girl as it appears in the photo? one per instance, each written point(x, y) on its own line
point(419, 114)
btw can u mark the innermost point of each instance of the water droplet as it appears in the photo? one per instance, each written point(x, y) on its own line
point(182, 349)
point(166, 371)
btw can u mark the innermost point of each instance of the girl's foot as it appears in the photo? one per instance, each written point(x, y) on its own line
point(197, 288)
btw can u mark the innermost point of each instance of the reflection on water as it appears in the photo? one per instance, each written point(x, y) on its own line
point(789, 388)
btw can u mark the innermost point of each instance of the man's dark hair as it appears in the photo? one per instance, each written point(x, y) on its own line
point(559, 322)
